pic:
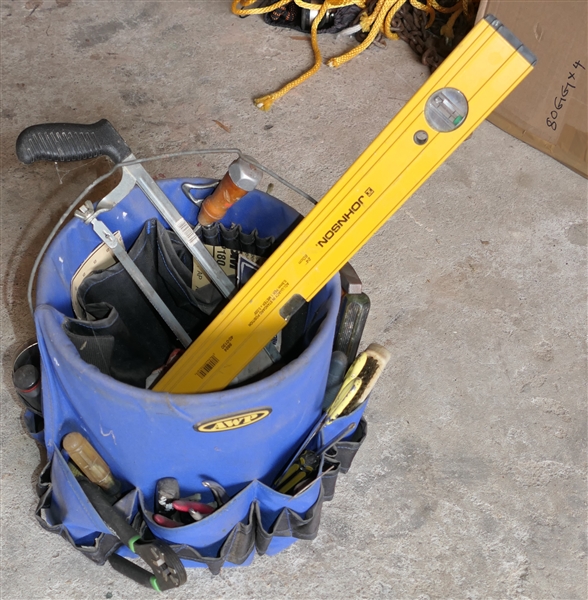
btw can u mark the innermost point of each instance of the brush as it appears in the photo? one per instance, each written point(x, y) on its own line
point(359, 381)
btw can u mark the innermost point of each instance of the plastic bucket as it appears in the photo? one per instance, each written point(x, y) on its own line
point(143, 435)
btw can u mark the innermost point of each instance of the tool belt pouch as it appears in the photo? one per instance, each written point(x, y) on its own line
point(241, 438)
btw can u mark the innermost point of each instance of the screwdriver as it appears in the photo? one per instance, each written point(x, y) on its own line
point(87, 459)
point(242, 177)
point(306, 464)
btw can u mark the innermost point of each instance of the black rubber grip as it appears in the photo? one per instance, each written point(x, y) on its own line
point(103, 506)
point(128, 569)
point(167, 567)
point(64, 142)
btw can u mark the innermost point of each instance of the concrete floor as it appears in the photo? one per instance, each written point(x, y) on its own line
point(471, 483)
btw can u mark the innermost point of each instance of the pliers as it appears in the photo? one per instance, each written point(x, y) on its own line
point(168, 570)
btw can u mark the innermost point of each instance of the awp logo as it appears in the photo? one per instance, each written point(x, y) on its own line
point(235, 421)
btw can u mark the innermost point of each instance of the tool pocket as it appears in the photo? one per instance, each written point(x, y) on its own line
point(63, 508)
point(343, 452)
point(26, 378)
point(34, 425)
point(225, 537)
point(258, 518)
point(282, 519)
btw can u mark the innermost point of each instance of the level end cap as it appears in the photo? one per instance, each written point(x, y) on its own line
point(512, 39)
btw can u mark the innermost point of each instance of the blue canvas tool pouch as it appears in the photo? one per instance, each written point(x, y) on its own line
point(250, 432)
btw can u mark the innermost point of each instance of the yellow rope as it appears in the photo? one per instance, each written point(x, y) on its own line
point(265, 102)
point(387, 25)
point(366, 20)
point(378, 21)
point(443, 9)
point(447, 29)
point(243, 12)
point(380, 12)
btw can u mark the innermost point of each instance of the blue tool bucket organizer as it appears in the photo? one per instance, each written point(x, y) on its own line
point(144, 436)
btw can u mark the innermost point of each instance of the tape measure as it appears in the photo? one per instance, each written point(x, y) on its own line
point(486, 66)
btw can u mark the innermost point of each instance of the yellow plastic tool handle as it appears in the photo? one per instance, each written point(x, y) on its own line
point(344, 398)
point(488, 64)
point(89, 461)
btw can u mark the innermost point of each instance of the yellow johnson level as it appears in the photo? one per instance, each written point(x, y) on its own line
point(487, 65)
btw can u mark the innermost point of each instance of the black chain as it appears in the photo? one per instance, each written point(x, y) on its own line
point(409, 23)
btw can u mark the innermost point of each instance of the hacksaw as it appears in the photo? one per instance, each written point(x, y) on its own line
point(480, 72)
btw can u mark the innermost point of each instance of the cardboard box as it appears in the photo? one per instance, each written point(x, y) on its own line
point(548, 110)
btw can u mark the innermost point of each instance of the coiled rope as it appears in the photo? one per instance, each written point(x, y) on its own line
point(374, 23)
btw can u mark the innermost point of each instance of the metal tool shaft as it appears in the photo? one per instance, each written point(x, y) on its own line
point(182, 228)
point(135, 274)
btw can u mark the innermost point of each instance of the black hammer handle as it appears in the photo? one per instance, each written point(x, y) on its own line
point(64, 142)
